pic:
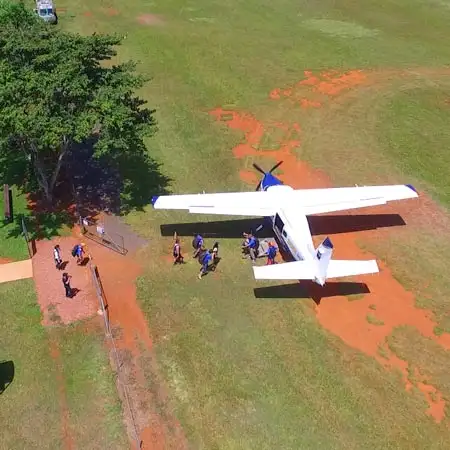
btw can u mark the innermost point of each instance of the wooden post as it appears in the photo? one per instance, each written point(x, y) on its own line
point(7, 200)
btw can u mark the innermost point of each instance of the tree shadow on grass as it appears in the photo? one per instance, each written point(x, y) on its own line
point(118, 182)
point(89, 184)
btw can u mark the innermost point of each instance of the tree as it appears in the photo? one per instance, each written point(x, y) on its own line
point(57, 93)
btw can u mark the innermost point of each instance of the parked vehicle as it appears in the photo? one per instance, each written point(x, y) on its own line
point(46, 11)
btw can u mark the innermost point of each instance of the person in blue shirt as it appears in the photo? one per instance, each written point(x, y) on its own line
point(197, 243)
point(251, 246)
point(207, 257)
point(271, 254)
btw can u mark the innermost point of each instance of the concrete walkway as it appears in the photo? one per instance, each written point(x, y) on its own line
point(16, 271)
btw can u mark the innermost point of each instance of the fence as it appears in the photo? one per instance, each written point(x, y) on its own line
point(101, 236)
point(30, 242)
point(117, 360)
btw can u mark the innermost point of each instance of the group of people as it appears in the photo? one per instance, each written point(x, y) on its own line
point(250, 247)
point(78, 251)
point(210, 258)
point(207, 258)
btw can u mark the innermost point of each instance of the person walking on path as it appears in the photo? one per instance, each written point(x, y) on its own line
point(66, 282)
point(78, 251)
point(271, 254)
point(57, 256)
point(177, 256)
point(197, 243)
point(205, 262)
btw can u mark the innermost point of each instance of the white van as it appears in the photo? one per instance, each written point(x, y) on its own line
point(46, 11)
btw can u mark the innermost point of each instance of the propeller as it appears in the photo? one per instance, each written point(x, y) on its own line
point(258, 168)
point(278, 164)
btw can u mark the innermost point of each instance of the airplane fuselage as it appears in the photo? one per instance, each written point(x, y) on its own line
point(291, 227)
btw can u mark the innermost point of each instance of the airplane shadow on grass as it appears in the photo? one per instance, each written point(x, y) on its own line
point(6, 374)
point(332, 224)
point(309, 289)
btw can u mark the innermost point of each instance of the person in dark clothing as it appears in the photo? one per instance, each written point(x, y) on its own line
point(66, 282)
point(177, 256)
point(215, 256)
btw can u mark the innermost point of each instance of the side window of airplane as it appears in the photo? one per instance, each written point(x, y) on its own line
point(284, 234)
point(278, 222)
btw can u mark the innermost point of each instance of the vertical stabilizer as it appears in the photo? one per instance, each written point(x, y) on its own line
point(323, 255)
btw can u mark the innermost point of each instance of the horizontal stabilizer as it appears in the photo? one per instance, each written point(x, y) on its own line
point(233, 211)
point(346, 268)
point(295, 270)
point(306, 270)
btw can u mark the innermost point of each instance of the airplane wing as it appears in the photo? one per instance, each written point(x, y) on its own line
point(340, 199)
point(306, 270)
point(295, 270)
point(265, 203)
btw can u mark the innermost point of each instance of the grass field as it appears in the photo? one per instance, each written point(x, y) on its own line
point(13, 245)
point(56, 386)
point(243, 372)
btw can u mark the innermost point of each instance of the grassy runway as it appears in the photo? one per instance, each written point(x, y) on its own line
point(244, 372)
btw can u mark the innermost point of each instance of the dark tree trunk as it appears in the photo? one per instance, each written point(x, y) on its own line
point(47, 183)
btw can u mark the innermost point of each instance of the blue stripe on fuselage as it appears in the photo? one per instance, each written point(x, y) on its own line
point(268, 181)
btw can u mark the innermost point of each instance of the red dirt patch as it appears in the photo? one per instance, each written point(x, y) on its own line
point(5, 260)
point(54, 305)
point(150, 20)
point(346, 319)
point(110, 12)
point(87, 14)
point(311, 91)
point(118, 276)
point(248, 177)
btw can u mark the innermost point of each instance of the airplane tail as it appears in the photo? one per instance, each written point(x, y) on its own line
point(323, 254)
point(324, 268)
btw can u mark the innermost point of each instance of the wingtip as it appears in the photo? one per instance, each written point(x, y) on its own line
point(410, 186)
point(154, 199)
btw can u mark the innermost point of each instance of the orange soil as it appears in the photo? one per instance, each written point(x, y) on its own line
point(118, 277)
point(5, 260)
point(150, 19)
point(110, 12)
point(325, 84)
point(394, 305)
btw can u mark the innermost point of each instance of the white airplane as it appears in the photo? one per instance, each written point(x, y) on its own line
point(288, 209)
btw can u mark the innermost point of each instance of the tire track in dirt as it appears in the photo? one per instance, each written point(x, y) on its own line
point(388, 301)
point(157, 427)
point(68, 441)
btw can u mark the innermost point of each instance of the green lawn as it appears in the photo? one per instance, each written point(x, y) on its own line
point(250, 373)
point(13, 245)
point(32, 408)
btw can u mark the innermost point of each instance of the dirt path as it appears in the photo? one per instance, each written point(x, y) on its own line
point(18, 270)
point(68, 441)
point(54, 305)
point(389, 303)
point(118, 276)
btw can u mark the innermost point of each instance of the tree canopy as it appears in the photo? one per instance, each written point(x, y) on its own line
point(59, 100)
